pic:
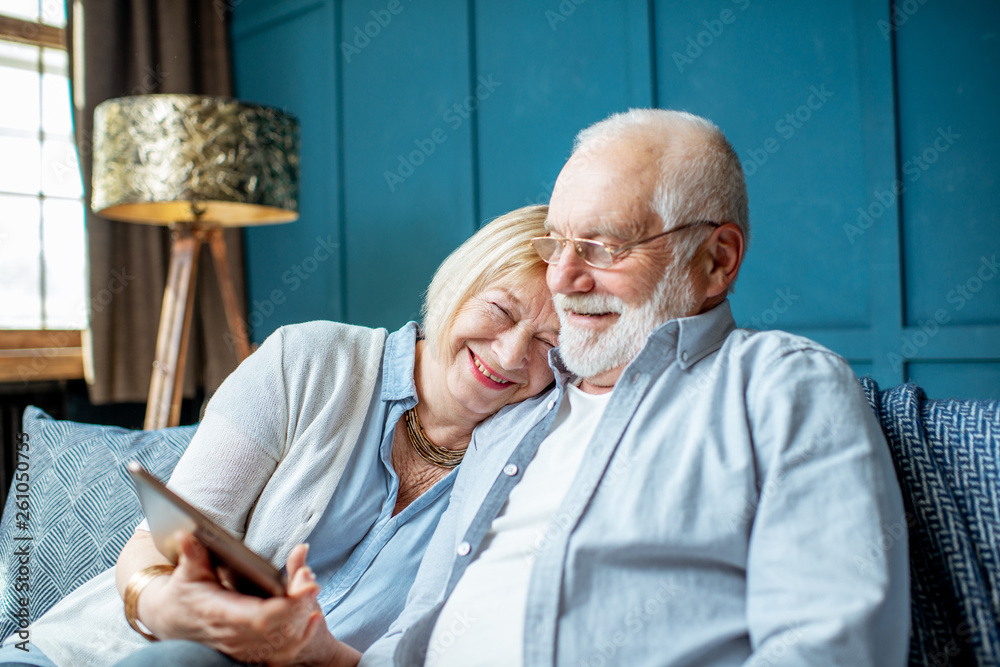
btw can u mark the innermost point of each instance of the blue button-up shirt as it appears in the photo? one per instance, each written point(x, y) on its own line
point(737, 504)
point(365, 558)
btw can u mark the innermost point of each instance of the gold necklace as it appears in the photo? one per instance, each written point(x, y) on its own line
point(428, 451)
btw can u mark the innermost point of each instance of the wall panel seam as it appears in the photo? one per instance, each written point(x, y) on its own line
point(474, 117)
point(654, 88)
point(338, 91)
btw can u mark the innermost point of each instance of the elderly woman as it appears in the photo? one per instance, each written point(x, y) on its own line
point(339, 436)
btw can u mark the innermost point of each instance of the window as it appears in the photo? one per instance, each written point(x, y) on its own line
point(42, 247)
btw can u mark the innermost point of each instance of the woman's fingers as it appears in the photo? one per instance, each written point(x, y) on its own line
point(194, 563)
point(299, 647)
point(303, 583)
point(190, 547)
point(296, 558)
point(281, 629)
point(301, 579)
point(277, 629)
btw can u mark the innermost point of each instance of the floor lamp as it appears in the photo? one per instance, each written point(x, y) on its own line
point(197, 165)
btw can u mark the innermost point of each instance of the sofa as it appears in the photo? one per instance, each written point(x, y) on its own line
point(947, 459)
point(73, 507)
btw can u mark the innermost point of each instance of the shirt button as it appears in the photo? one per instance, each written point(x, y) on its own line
point(684, 356)
point(464, 548)
point(551, 405)
point(510, 470)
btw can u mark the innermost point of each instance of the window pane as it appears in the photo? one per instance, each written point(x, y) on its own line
point(65, 264)
point(60, 170)
point(54, 12)
point(55, 61)
point(20, 291)
point(56, 116)
point(21, 166)
point(38, 156)
point(22, 9)
point(19, 110)
point(22, 56)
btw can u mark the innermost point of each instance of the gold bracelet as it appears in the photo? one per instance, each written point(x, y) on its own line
point(136, 583)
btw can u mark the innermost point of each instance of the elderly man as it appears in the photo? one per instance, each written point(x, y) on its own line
point(689, 493)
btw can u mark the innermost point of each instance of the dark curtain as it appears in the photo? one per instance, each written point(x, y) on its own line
point(138, 47)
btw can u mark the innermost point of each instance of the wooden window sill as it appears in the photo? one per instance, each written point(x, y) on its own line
point(33, 356)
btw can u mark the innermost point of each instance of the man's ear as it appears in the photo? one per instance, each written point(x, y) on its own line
point(723, 256)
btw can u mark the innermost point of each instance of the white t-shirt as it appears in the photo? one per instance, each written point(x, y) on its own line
point(482, 623)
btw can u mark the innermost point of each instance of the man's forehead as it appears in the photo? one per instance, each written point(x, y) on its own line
point(597, 201)
point(618, 226)
point(599, 167)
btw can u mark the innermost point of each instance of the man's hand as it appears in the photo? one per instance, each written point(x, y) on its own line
point(280, 631)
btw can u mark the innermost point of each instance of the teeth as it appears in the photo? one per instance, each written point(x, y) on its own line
point(483, 370)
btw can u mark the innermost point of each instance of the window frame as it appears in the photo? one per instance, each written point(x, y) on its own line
point(35, 355)
point(30, 32)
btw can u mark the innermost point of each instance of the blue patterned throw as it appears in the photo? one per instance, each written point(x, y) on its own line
point(947, 458)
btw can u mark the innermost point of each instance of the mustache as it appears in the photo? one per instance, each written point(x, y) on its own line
point(587, 304)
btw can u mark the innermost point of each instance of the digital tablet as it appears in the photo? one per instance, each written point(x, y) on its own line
point(167, 513)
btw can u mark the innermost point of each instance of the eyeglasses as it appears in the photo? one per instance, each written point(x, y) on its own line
point(596, 254)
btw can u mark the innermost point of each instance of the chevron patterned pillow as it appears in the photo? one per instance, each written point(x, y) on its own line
point(71, 507)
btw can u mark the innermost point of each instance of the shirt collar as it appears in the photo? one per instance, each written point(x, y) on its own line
point(691, 339)
point(398, 363)
point(700, 335)
point(559, 370)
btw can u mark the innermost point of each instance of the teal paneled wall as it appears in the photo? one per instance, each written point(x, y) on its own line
point(422, 120)
point(780, 79)
point(284, 56)
point(408, 153)
point(948, 65)
point(556, 80)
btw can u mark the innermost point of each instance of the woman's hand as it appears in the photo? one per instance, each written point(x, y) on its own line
point(280, 631)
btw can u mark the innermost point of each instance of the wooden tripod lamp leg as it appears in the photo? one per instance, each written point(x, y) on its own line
point(237, 328)
point(164, 406)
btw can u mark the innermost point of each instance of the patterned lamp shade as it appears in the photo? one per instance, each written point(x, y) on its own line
point(164, 159)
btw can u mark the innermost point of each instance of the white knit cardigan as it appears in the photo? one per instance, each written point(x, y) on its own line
point(264, 463)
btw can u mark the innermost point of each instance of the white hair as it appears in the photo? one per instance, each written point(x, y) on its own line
point(699, 179)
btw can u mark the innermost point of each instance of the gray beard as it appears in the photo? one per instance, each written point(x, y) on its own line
point(588, 353)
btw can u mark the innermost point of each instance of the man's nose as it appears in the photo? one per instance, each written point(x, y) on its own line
point(569, 275)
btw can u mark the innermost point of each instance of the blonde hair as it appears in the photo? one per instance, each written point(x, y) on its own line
point(499, 252)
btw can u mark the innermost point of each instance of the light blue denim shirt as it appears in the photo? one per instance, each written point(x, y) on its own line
point(737, 504)
point(364, 558)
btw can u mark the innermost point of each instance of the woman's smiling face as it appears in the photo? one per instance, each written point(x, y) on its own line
point(497, 349)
